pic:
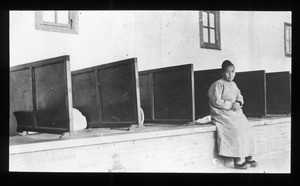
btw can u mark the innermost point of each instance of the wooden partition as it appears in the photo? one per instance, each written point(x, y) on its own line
point(41, 97)
point(203, 80)
point(108, 95)
point(167, 94)
point(252, 85)
point(278, 85)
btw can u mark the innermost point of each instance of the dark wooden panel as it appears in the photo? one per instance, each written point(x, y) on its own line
point(117, 94)
point(43, 94)
point(12, 125)
point(111, 98)
point(170, 95)
point(85, 95)
point(203, 80)
point(51, 102)
point(252, 85)
point(21, 99)
point(278, 86)
point(145, 94)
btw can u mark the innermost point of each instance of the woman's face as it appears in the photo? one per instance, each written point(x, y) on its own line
point(229, 73)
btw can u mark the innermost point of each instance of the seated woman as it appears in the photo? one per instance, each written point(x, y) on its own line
point(233, 130)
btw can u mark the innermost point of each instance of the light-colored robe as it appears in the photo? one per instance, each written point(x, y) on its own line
point(234, 132)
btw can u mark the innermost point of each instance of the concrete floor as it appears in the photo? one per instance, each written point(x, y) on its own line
point(275, 163)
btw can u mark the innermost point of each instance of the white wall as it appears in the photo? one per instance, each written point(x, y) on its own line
point(101, 39)
point(251, 40)
point(269, 46)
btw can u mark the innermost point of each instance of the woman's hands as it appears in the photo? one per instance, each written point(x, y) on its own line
point(236, 106)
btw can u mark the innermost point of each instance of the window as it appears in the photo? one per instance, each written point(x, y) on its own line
point(57, 21)
point(288, 39)
point(209, 22)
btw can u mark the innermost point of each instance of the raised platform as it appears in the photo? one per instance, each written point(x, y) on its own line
point(154, 148)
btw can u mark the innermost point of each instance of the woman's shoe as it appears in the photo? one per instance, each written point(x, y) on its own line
point(241, 166)
point(252, 163)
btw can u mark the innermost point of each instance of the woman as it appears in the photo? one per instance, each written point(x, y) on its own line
point(233, 130)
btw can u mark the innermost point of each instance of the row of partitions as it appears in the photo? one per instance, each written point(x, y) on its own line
point(43, 94)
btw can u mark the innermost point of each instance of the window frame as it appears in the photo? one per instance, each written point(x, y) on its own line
point(287, 54)
point(71, 27)
point(208, 45)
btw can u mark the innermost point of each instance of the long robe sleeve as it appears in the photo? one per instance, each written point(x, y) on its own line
point(215, 93)
point(239, 97)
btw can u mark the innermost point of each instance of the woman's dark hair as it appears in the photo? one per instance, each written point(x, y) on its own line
point(226, 64)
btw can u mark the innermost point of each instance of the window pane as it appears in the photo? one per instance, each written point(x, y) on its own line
point(204, 18)
point(212, 20)
point(205, 35)
point(63, 17)
point(290, 41)
point(212, 36)
point(49, 16)
point(210, 31)
point(287, 47)
point(289, 33)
